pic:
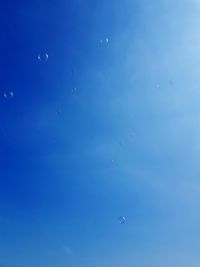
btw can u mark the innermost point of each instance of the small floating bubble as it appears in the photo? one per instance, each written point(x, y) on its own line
point(157, 86)
point(132, 134)
point(58, 111)
point(106, 41)
point(43, 57)
point(72, 72)
point(122, 219)
point(122, 143)
point(8, 94)
point(74, 90)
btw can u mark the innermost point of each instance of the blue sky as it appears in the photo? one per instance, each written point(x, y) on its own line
point(125, 142)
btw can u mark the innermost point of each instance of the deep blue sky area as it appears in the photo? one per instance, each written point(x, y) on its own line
point(106, 125)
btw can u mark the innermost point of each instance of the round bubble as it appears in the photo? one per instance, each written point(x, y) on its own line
point(122, 219)
point(121, 143)
point(107, 40)
point(43, 57)
point(74, 90)
point(132, 134)
point(58, 111)
point(9, 94)
point(72, 72)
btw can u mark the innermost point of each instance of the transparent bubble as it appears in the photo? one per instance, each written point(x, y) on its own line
point(9, 94)
point(72, 72)
point(74, 90)
point(43, 57)
point(157, 86)
point(58, 111)
point(106, 41)
point(122, 143)
point(122, 219)
point(112, 161)
point(132, 134)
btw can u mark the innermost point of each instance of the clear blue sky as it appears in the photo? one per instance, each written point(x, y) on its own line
point(125, 143)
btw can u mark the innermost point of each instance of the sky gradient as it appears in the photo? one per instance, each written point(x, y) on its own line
point(108, 126)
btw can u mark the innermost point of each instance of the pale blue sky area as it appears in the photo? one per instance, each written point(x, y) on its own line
point(108, 126)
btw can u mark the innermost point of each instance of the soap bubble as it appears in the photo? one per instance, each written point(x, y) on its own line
point(72, 72)
point(58, 111)
point(122, 143)
point(74, 90)
point(8, 94)
point(132, 134)
point(43, 57)
point(122, 219)
point(106, 41)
